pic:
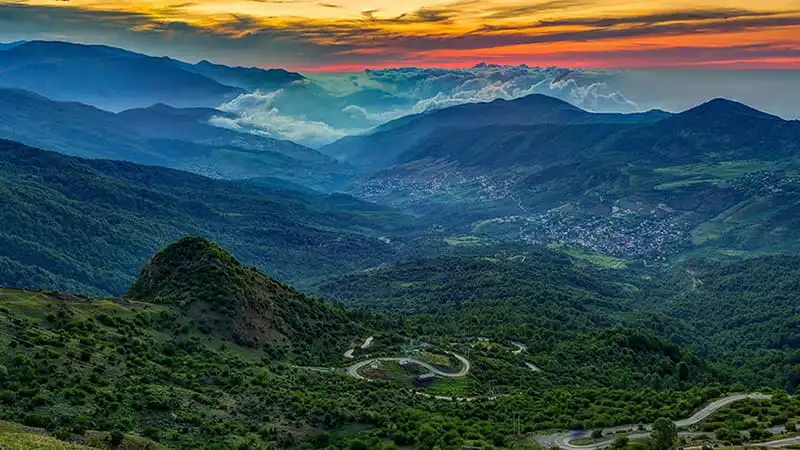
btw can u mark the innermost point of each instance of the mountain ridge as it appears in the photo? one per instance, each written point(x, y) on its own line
point(400, 135)
point(106, 77)
point(87, 225)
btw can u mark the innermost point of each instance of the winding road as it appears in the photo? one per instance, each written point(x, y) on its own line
point(563, 440)
point(353, 370)
point(349, 354)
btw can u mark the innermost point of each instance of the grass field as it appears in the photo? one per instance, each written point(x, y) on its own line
point(675, 177)
point(598, 259)
point(463, 241)
point(14, 436)
point(727, 170)
point(451, 387)
point(26, 441)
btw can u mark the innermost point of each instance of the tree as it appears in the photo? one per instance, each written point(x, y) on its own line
point(597, 434)
point(115, 439)
point(621, 442)
point(683, 371)
point(664, 435)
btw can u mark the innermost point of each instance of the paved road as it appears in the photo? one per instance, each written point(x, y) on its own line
point(779, 443)
point(465, 366)
point(520, 348)
point(349, 354)
point(367, 342)
point(563, 440)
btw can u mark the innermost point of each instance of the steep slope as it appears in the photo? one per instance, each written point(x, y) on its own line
point(385, 145)
point(161, 135)
point(106, 77)
point(253, 309)
point(163, 375)
point(745, 310)
point(88, 225)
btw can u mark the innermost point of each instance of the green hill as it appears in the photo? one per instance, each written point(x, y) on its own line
point(88, 225)
point(204, 352)
point(205, 281)
point(203, 366)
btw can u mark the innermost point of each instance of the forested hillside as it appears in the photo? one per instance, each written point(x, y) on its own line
point(88, 225)
point(746, 312)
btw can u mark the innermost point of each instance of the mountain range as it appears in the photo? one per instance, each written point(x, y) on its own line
point(162, 135)
point(404, 134)
point(654, 184)
point(116, 79)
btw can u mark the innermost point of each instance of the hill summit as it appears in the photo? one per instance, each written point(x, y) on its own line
point(237, 302)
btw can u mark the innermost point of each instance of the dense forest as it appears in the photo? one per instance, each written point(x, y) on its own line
point(88, 225)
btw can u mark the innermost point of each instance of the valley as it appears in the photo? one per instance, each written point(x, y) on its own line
point(196, 255)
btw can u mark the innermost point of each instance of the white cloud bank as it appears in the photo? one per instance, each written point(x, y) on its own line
point(327, 118)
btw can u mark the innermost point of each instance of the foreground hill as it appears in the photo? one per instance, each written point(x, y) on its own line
point(253, 309)
point(88, 225)
point(191, 356)
point(106, 77)
point(180, 138)
point(721, 178)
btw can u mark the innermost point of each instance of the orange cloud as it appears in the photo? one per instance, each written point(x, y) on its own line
point(351, 34)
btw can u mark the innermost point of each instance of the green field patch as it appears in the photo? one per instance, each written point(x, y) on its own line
point(707, 232)
point(685, 183)
point(450, 387)
point(26, 441)
point(702, 173)
point(726, 170)
point(598, 259)
point(463, 241)
point(443, 362)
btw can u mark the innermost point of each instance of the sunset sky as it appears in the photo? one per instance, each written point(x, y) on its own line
point(352, 35)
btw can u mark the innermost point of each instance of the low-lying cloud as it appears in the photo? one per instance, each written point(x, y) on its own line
point(417, 90)
point(259, 114)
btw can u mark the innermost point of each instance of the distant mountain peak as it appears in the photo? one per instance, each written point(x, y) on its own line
point(726, 107)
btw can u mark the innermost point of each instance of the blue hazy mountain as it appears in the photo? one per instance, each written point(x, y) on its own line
point(247, 78)
point(721, 175)
point(384, 145)
point(106, 77)
point(162, 135)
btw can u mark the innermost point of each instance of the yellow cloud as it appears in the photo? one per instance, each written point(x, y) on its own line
point(446, 30)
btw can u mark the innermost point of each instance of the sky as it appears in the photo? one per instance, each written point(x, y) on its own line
point(351, 35)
